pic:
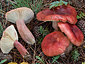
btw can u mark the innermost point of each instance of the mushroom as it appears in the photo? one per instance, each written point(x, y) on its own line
point(20, 16)
point(54, 43)
point(10, 39)
point(73, 32)
point(64, 13)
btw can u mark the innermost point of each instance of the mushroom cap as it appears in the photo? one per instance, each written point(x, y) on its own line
point(73, 32)
point(8, 38)
point(61, 13)
point(6, 44)
point(20, 13)
point(54, 43)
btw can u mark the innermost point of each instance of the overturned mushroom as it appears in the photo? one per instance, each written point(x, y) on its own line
point(20, 16)
point(10, 39)
point(64, 13)
point(54, 43)
point(73, 32)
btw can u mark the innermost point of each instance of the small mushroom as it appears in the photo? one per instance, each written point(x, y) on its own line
point(10, 39)
point(64, 13)
point(20, 16)
point(73, 32)
point(54, 43)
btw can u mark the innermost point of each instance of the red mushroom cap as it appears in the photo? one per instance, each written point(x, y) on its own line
point(61, 13)
point(54, 43)
point(73, 32)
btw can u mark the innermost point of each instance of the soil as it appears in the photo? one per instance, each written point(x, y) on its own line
point(35, 50)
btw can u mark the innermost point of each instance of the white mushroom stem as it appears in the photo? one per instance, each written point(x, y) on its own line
point(55, 25)
point(25, 54)
point(25, 32)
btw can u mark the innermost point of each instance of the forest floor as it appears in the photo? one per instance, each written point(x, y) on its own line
point(34, 25)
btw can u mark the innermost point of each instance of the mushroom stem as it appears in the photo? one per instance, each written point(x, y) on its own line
point(25, 54)
point(55, 25)
point(25, 32)
point(68, 49)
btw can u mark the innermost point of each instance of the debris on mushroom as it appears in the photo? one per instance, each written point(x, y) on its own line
point(55, 43)
point(10, 39)
point(73, 32)
point(20, 16)
point(64, 13)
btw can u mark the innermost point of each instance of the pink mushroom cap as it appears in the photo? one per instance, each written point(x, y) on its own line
point(73, 33)
point(54, 43)
point(61, 13)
